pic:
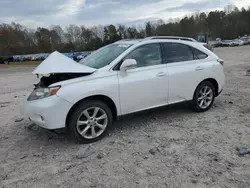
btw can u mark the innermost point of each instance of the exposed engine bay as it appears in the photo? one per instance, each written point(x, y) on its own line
point(45, 81)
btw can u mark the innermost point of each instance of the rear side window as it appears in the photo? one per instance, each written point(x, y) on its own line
point(198, 54)
point(176, 52)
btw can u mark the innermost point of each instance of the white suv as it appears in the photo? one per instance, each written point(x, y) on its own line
point(121, 78)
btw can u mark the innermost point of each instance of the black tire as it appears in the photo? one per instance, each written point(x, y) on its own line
point(79, 109)
point(6, 62)
point(194, 104)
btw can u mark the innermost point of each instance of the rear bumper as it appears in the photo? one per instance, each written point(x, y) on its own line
point(221, 78)
point(49, 113)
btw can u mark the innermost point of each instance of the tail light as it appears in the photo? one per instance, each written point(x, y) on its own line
point(220, 61)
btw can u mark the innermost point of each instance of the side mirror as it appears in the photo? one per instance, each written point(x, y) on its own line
point(128, 64)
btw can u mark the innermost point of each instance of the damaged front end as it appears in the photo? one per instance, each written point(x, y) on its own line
point(56, 68)
point(42, 89)
point(46, 81)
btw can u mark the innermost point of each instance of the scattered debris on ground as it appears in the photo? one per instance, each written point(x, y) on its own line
point(18, 120)
point(243, 151)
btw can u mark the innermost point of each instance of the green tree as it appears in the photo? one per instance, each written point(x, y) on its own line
point(16, 39)
point(148, 29)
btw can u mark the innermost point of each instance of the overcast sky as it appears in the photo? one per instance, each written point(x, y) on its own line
point(33, 13)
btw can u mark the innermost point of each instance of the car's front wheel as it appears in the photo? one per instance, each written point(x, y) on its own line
point(203, 97)
point(90, 121)
point(6, 62)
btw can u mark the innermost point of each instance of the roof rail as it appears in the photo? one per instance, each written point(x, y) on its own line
point(170, 37)
point(128, 40)
point(123, 40)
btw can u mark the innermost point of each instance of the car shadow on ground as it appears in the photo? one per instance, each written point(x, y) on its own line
point(38, 135)
point(141, 119)
point(131, 122)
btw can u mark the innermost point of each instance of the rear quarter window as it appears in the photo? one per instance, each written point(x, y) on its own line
point(198, 54)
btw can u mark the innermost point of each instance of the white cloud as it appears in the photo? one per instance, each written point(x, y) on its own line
point(70, 8)
point(146, 10)
point(35, 13)
point(241, 3)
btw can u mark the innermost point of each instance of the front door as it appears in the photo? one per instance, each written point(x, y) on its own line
point(145, 86)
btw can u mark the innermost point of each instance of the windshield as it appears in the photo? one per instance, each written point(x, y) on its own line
point(104, 56)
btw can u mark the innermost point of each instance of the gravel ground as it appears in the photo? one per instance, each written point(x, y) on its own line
point(166, 147)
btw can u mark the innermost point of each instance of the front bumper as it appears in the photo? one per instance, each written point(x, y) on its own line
point(49, 113)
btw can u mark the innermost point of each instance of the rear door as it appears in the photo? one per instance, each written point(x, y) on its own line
point(187, 67)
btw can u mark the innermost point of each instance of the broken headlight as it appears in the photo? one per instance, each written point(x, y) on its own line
point(40, 93)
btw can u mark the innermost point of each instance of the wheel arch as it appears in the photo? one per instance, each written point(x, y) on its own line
point(108, 101)
point(215, 84)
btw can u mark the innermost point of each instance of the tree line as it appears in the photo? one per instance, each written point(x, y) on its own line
point(16, 39)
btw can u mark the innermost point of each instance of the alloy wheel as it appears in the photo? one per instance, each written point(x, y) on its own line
point(205, 97)
point(92, 122)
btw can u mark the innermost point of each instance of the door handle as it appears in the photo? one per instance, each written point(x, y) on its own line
point(198, 68)
point(161, 74)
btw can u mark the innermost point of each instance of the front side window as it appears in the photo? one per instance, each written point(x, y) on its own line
point(104, 56)
point(176, 52)
point(146, 55)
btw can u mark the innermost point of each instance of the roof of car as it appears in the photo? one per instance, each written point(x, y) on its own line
point(143, 41)
point(171, 38)
point(156, 38)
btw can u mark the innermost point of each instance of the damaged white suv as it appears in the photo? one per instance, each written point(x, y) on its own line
point(122, 78)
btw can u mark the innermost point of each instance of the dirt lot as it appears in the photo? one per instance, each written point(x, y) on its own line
point(167, 147)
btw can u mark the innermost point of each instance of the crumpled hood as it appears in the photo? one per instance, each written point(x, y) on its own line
point(59, 63)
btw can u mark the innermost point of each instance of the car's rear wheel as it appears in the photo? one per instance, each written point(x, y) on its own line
point(6, 62)
point(90, 121)
point(203, 97)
